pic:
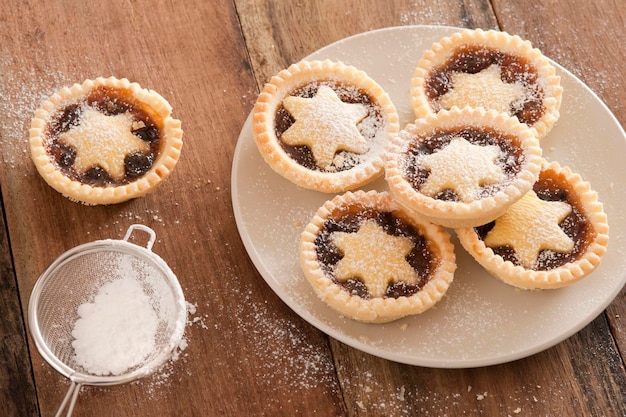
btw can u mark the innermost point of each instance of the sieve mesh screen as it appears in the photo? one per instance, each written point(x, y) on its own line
point(76, 277)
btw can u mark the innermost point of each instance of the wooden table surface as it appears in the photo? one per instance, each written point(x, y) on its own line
point(249, 354)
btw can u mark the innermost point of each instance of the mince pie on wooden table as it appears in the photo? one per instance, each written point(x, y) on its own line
point(372, 260)
point(488, 69)
point(462, 167)
point(554, 236)
point(323, 125)
point(105, 141)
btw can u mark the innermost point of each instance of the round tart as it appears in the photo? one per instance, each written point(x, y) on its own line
point(554, 236)
point(489, 69)
point(462, 167)
point(105, 141)
point(323, 125)
point(372, 260)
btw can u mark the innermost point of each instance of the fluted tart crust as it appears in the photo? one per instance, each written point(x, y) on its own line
point(555, 236)
point(374, 261)
point(462, 167)
point(105, 141)
point(323, 125)
point(489, 69)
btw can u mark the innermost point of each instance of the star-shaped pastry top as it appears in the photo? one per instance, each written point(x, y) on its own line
point(375, 257)
point(105, 141)
point(483, 89)
point(325, 124)
point(531, 225)
point(463, 167)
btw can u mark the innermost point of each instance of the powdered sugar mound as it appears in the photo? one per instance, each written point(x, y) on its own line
point(117, 330)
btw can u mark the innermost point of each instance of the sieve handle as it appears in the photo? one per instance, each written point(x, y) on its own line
point(71, 396)
point(146, 229)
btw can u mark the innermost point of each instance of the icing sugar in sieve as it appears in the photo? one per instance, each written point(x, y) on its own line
point(106, 313)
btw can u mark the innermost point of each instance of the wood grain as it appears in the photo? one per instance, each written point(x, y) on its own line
point(559, 382)
point(279, 34)
point(248, 353)
point(17, 389)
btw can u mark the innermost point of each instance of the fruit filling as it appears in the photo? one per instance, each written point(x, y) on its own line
point(107, 139)
point(487, 161)
point(369, 273)
point(339, 143)
point(513, 71)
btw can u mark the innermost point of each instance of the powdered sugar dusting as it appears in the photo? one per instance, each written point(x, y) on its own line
point(373, 394)
point(342, 125)
point(307, 368)
point(464, 167)
point(18, 102)
point(283, 354)
point(416, 13)
point(165, 375)
point(278, 350)
point(104, 140)
point(375, 256)
point(484, 89)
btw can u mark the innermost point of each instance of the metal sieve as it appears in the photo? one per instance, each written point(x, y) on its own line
point(75, 278)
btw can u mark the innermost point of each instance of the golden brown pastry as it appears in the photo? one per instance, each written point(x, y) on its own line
point(372, 260)
point(462, 167)
point(488, 69)
point(323, 125)
point(554, 236)
point(105, 141)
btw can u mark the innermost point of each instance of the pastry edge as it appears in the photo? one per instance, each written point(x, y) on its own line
point(84, 193)
point(263, 130)
point(562, 276)
point(376, 310)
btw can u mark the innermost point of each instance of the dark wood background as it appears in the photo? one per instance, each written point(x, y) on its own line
point(248, 353)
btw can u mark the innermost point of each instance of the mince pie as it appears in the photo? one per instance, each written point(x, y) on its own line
point(554, 236)
point(105, 141)
point(372, 260)
point(323, 125)
point(462, 167)
point(488, 69)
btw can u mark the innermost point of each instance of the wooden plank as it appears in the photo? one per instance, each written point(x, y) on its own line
point(616, 315)
point(279, 34)
point(246, 350)
point(17, 388)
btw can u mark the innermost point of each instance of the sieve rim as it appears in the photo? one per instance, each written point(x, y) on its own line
point(122, 246)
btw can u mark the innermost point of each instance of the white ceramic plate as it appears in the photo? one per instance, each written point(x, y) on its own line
point(481, 321)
